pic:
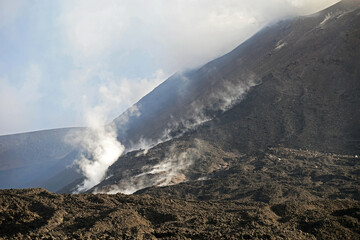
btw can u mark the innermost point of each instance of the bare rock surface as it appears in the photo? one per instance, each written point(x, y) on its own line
point(280, 193)
point(39, 214)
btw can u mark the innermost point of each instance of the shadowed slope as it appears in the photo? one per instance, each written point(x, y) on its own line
point(307, 97)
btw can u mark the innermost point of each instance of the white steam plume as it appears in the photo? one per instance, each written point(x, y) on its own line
point(171, 170)
point(145, 144)
point(202, 110)
point(221, 100)
point(98, 143)
point(100, 150)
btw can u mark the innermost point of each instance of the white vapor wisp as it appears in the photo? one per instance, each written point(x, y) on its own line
point(201, 111)
point(171, 170)
point(221, 100)
point(98, 144)
point(100, 150)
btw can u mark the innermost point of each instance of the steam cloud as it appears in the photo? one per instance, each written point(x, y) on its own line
point(171, 170)
point(115, 37)
point(100, 150)
point(203, 110)
point(220, 100)
point(98, 143)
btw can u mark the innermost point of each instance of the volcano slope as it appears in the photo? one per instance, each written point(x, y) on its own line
point(301, 76)
point(294, 84)
point(302, 82)
point(280, 193)
point(306, 96)
point(280, 162)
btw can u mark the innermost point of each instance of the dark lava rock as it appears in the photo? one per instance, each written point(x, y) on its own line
point(281, 193)
point(39, 214)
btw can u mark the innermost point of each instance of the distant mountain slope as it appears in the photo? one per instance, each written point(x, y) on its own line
point(306, 95)
point(29, 159)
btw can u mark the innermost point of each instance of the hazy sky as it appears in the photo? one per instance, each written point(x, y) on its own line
point(60, 59)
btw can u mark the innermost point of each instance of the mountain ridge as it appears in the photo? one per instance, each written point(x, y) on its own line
point(262, 143)
point(218, 90)
point(306, 96)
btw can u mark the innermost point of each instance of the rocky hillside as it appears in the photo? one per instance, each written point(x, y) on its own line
point(309, 93)
point(295, 84)
point(273, 176)
point(305, 95)
point(301, 77)
point(277, 194)
point(262, 143)
point(280, 193)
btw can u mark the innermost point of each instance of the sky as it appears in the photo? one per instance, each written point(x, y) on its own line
point(61, 59)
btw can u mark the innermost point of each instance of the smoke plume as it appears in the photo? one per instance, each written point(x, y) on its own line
point(100, 149)
point(219, 100)
point(170, 170)
point(98, 144)
point(202, 110)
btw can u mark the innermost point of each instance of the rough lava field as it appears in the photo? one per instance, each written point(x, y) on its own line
point(263, 143)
